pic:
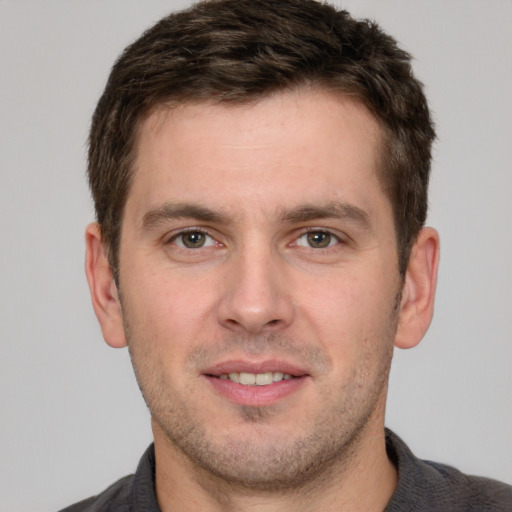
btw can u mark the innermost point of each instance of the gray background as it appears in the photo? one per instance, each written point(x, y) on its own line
point(72, 420)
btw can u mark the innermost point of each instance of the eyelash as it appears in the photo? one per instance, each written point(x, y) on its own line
point(332, 237)
point(183, 232)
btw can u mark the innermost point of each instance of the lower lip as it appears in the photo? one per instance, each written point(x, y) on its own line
point(256, 396)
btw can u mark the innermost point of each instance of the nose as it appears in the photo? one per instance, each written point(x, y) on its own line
point(256, 296)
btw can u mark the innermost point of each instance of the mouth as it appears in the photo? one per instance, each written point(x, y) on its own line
point(257, 385)
point(256, 379)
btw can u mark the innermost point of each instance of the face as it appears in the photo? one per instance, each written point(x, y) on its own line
point(259, 284)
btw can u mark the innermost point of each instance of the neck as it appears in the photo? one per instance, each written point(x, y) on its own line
point(364, 480)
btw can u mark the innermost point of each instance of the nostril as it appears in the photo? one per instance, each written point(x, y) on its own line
point(244, 308)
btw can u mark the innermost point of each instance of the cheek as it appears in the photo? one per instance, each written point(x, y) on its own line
point(170, 310)
point(350, 317)
point(157, 290)
point(341, 304)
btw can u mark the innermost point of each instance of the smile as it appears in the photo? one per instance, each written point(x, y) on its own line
point(255, 379)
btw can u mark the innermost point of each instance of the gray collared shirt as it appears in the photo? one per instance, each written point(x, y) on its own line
point(423, 486)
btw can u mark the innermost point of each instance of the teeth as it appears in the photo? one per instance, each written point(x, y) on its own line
point(248, 379)
point(262, 379)
point(235, 377)
point(277, 376)
point(256, 379)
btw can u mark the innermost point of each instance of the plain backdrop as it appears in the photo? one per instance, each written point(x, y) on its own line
point(72, 419)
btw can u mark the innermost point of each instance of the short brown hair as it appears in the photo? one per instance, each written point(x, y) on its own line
point(242, 50)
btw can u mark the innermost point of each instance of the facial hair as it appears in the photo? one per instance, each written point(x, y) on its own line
point(266, 461)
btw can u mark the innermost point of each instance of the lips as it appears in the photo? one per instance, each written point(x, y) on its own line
point(256, 384)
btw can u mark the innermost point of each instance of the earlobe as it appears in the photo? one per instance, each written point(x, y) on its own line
point(417, 305)
point(104, 296)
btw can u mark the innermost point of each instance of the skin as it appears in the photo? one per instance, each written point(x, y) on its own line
point(295, 269)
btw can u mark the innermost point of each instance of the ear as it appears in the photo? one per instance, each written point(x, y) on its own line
point(104, 296)
point(417, 305)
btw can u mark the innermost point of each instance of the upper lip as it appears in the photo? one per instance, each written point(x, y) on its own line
point(265, 366)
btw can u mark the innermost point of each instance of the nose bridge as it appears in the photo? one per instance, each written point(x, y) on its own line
point(255, 297)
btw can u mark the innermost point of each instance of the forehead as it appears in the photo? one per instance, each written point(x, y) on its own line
point(302, 109)
point(295, 146)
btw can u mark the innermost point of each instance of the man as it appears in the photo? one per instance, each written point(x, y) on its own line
point(259, 171)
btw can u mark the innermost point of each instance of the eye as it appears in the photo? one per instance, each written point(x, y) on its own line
point(317, 239)
point(193, 239)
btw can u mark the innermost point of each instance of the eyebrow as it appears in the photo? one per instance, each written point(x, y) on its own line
point(334, 210)
point(170, 211)
point(303, 213)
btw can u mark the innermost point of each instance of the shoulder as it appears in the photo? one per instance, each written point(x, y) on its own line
point(113, 499)
point(466, 492)
point(430, 486)
point(132, 493)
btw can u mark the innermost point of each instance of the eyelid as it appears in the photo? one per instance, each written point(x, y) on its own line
point(331, 231)
point(339, 237)
point(170, 238)
point(192, 229)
